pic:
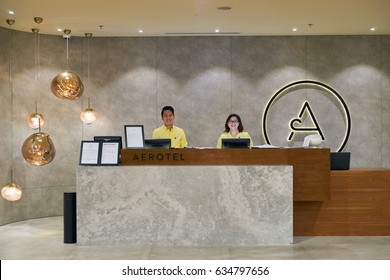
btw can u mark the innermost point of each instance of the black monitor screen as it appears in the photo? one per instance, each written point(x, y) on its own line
point(163, 143)
point(234, 143)
point(109, 139)
point(340, 160)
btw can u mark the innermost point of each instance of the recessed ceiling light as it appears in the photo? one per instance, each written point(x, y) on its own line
point(11, 12)
point(295, 29)
point(372, 28)
point(59, 29)
point(216, 30)
point(224, 8)
point(140, 31)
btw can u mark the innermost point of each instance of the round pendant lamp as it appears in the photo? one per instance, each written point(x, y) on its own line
point(38, 149)
point(35, 119)
point(67, 85)
point(89, 115)
point(11, 192)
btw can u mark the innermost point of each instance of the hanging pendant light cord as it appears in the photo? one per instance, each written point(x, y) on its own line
point(36, 67)
point(11, 91)
point(67, 53)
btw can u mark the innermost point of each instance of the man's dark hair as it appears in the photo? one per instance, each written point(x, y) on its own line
point(170, 108)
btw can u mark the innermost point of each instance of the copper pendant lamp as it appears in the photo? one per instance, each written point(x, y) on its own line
point(67, 85)
point(38, 149)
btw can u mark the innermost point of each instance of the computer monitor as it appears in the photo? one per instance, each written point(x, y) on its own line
point(162, 143)
point(235, 143)
point(109, 139)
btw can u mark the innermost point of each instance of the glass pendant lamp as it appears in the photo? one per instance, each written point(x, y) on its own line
point(11, 191)
point(88, 115)
point(36, 119)
point(67, 85)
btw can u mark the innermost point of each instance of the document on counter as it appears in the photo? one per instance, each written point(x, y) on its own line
point(110, 153)
point(89, 152)
point(265, 146)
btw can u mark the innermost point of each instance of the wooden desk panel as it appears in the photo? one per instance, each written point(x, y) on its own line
point(359, 205)
point(311, 167)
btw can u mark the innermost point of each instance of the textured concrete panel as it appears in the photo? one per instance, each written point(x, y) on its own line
point(351, 65)
point(184, 206)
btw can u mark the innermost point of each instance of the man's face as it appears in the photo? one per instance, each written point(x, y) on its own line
point(168, 118)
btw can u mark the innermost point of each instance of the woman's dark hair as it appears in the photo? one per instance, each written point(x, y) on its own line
point(240, 126)
point(167, 108)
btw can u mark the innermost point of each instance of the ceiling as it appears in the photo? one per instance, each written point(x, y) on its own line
point(200, 17)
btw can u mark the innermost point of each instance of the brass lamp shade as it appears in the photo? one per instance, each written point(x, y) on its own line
point(36, 120)
point(67, 85)
point(11, 192)
point(38, 149)
point(88, 116)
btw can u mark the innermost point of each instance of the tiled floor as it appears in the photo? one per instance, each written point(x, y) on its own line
point(43, 239)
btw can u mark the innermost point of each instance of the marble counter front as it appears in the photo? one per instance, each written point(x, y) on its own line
point(184, 205)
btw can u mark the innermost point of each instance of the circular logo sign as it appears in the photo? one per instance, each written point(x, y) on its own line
point(306, 113)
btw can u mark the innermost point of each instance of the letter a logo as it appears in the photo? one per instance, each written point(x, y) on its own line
point(296, 124)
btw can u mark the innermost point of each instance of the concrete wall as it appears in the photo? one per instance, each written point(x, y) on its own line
point(203, 78)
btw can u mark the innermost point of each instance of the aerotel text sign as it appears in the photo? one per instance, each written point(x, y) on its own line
point(159, 156)
point(296, 124)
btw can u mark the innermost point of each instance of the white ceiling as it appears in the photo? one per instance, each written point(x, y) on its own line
point(200, 17)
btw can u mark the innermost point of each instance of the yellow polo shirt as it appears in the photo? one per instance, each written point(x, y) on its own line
point(176, 134)
point(228, 135)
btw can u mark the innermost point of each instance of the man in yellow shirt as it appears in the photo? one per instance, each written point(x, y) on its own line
point(168, 130)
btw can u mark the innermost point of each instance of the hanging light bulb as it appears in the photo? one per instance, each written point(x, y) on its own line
point(36, 119)
point(38, 149)
point(89, 115)
point(11, 192)
point(67, 85)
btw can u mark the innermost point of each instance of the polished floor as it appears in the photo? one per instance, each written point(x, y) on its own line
point(42, 239)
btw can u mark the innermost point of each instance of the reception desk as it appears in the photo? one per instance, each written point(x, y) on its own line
point(199, 197)
point(213, 205)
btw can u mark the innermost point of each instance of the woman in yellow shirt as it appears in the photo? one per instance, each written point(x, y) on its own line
point(233, 129)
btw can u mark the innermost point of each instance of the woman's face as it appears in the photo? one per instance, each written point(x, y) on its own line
point(233, 123)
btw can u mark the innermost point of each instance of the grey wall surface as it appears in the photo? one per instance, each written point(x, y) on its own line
point(203, 78)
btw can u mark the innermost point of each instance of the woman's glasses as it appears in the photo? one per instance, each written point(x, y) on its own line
point(233, 122)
